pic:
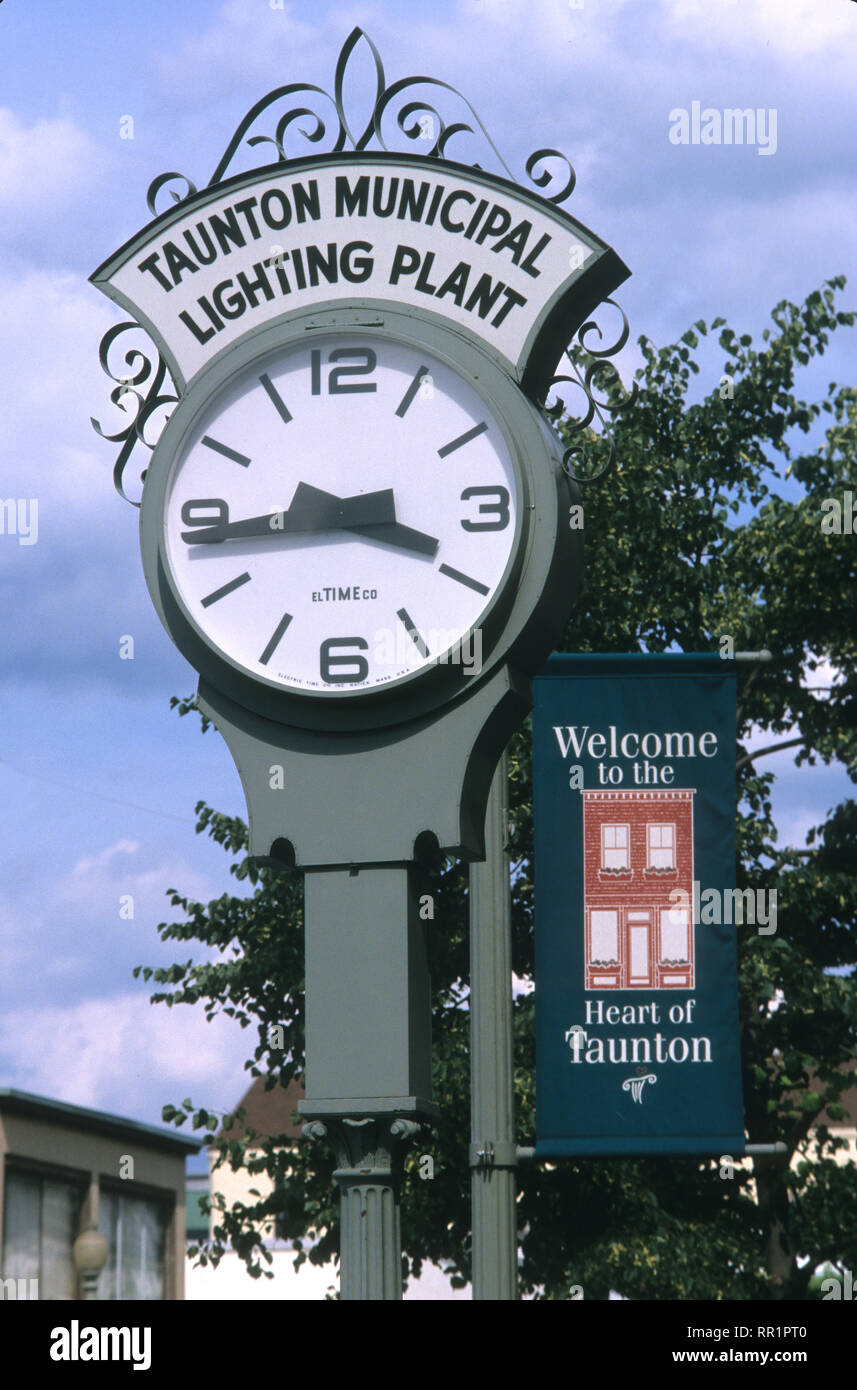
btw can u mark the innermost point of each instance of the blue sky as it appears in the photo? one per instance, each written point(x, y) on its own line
point(98, 778)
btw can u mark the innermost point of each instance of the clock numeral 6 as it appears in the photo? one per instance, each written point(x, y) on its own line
point(333, 665)
point(500, 505)
point(364, 363)
point(217, 515)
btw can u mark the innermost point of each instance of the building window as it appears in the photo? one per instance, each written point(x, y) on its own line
point(135, 1229)
point(614, 847)
point(661, 846)
point(675, 945)
point(41, 1220)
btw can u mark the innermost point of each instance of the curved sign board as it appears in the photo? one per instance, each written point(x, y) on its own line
point(494, 261)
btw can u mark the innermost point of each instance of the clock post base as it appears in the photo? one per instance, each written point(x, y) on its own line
point(369, 1154)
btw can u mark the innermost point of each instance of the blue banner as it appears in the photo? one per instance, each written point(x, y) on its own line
point(636, 912)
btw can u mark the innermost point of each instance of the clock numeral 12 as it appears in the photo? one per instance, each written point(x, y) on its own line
point(332, 664)
point(364, 363)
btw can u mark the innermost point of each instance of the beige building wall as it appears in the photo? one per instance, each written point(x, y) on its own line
point(58, 1146)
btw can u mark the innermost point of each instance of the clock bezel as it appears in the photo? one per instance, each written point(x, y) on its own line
point(538, 477)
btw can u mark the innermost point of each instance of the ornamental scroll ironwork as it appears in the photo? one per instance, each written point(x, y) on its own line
point(421, 126)
point(143, 370)
point(586, 362)
point(395, 109)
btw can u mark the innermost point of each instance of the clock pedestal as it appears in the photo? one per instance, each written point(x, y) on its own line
point(358, 812)
point(325, 799)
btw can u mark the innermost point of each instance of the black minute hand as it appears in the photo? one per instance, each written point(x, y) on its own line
point(311, 510)
point(370, 514)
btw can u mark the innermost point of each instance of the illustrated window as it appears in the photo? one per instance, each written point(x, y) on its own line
point(614, 847)
point(675, 948)
point(604, 936)
point(660, 840)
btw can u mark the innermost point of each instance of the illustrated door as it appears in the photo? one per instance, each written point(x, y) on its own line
point(638, 949)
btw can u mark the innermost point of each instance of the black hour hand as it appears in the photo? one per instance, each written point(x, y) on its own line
point(385, 529)
point(315, 510)
point(311, 510)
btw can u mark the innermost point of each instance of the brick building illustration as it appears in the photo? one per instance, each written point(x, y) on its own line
point(638, 848)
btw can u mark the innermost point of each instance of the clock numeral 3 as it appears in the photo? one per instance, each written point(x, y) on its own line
point(217, 515)
point(333, 665)
point(364, 363)
point(500, 505)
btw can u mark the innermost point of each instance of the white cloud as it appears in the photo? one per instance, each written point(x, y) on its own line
point(131, 867)
point(52, 934)
point(725, 246)
point(51, 324)
point(791, 27)
point(42, 165)
point(243, 45)
point(105, 857)
point(121, 1054)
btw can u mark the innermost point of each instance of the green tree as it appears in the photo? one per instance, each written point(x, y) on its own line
point(708, 528)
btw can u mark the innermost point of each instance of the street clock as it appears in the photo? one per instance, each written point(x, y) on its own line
point(358, 527)
point(337, 521)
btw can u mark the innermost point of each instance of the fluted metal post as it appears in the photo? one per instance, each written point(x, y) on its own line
point(492, 1150)
point(369, 1156)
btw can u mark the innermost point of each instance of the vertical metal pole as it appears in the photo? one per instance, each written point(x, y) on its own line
point(368, 1050)
point(492, 1150)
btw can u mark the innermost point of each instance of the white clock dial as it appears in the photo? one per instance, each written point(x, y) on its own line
point(342, 516)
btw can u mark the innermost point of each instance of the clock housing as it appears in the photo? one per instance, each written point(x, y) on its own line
point(353, 517)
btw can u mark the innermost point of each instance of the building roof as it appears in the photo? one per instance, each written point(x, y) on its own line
point(78, 1117)
point(269, 1112)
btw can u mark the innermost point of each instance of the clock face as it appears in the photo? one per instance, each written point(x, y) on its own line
point(342, 515)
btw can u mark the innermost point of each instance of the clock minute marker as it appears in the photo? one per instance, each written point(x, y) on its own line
point(275, 639)
point(229, 588)
point(225, 450)
point(413, 631)
point(275, 398)
point(406, 401)
point(464, 579)
point(463, 439)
